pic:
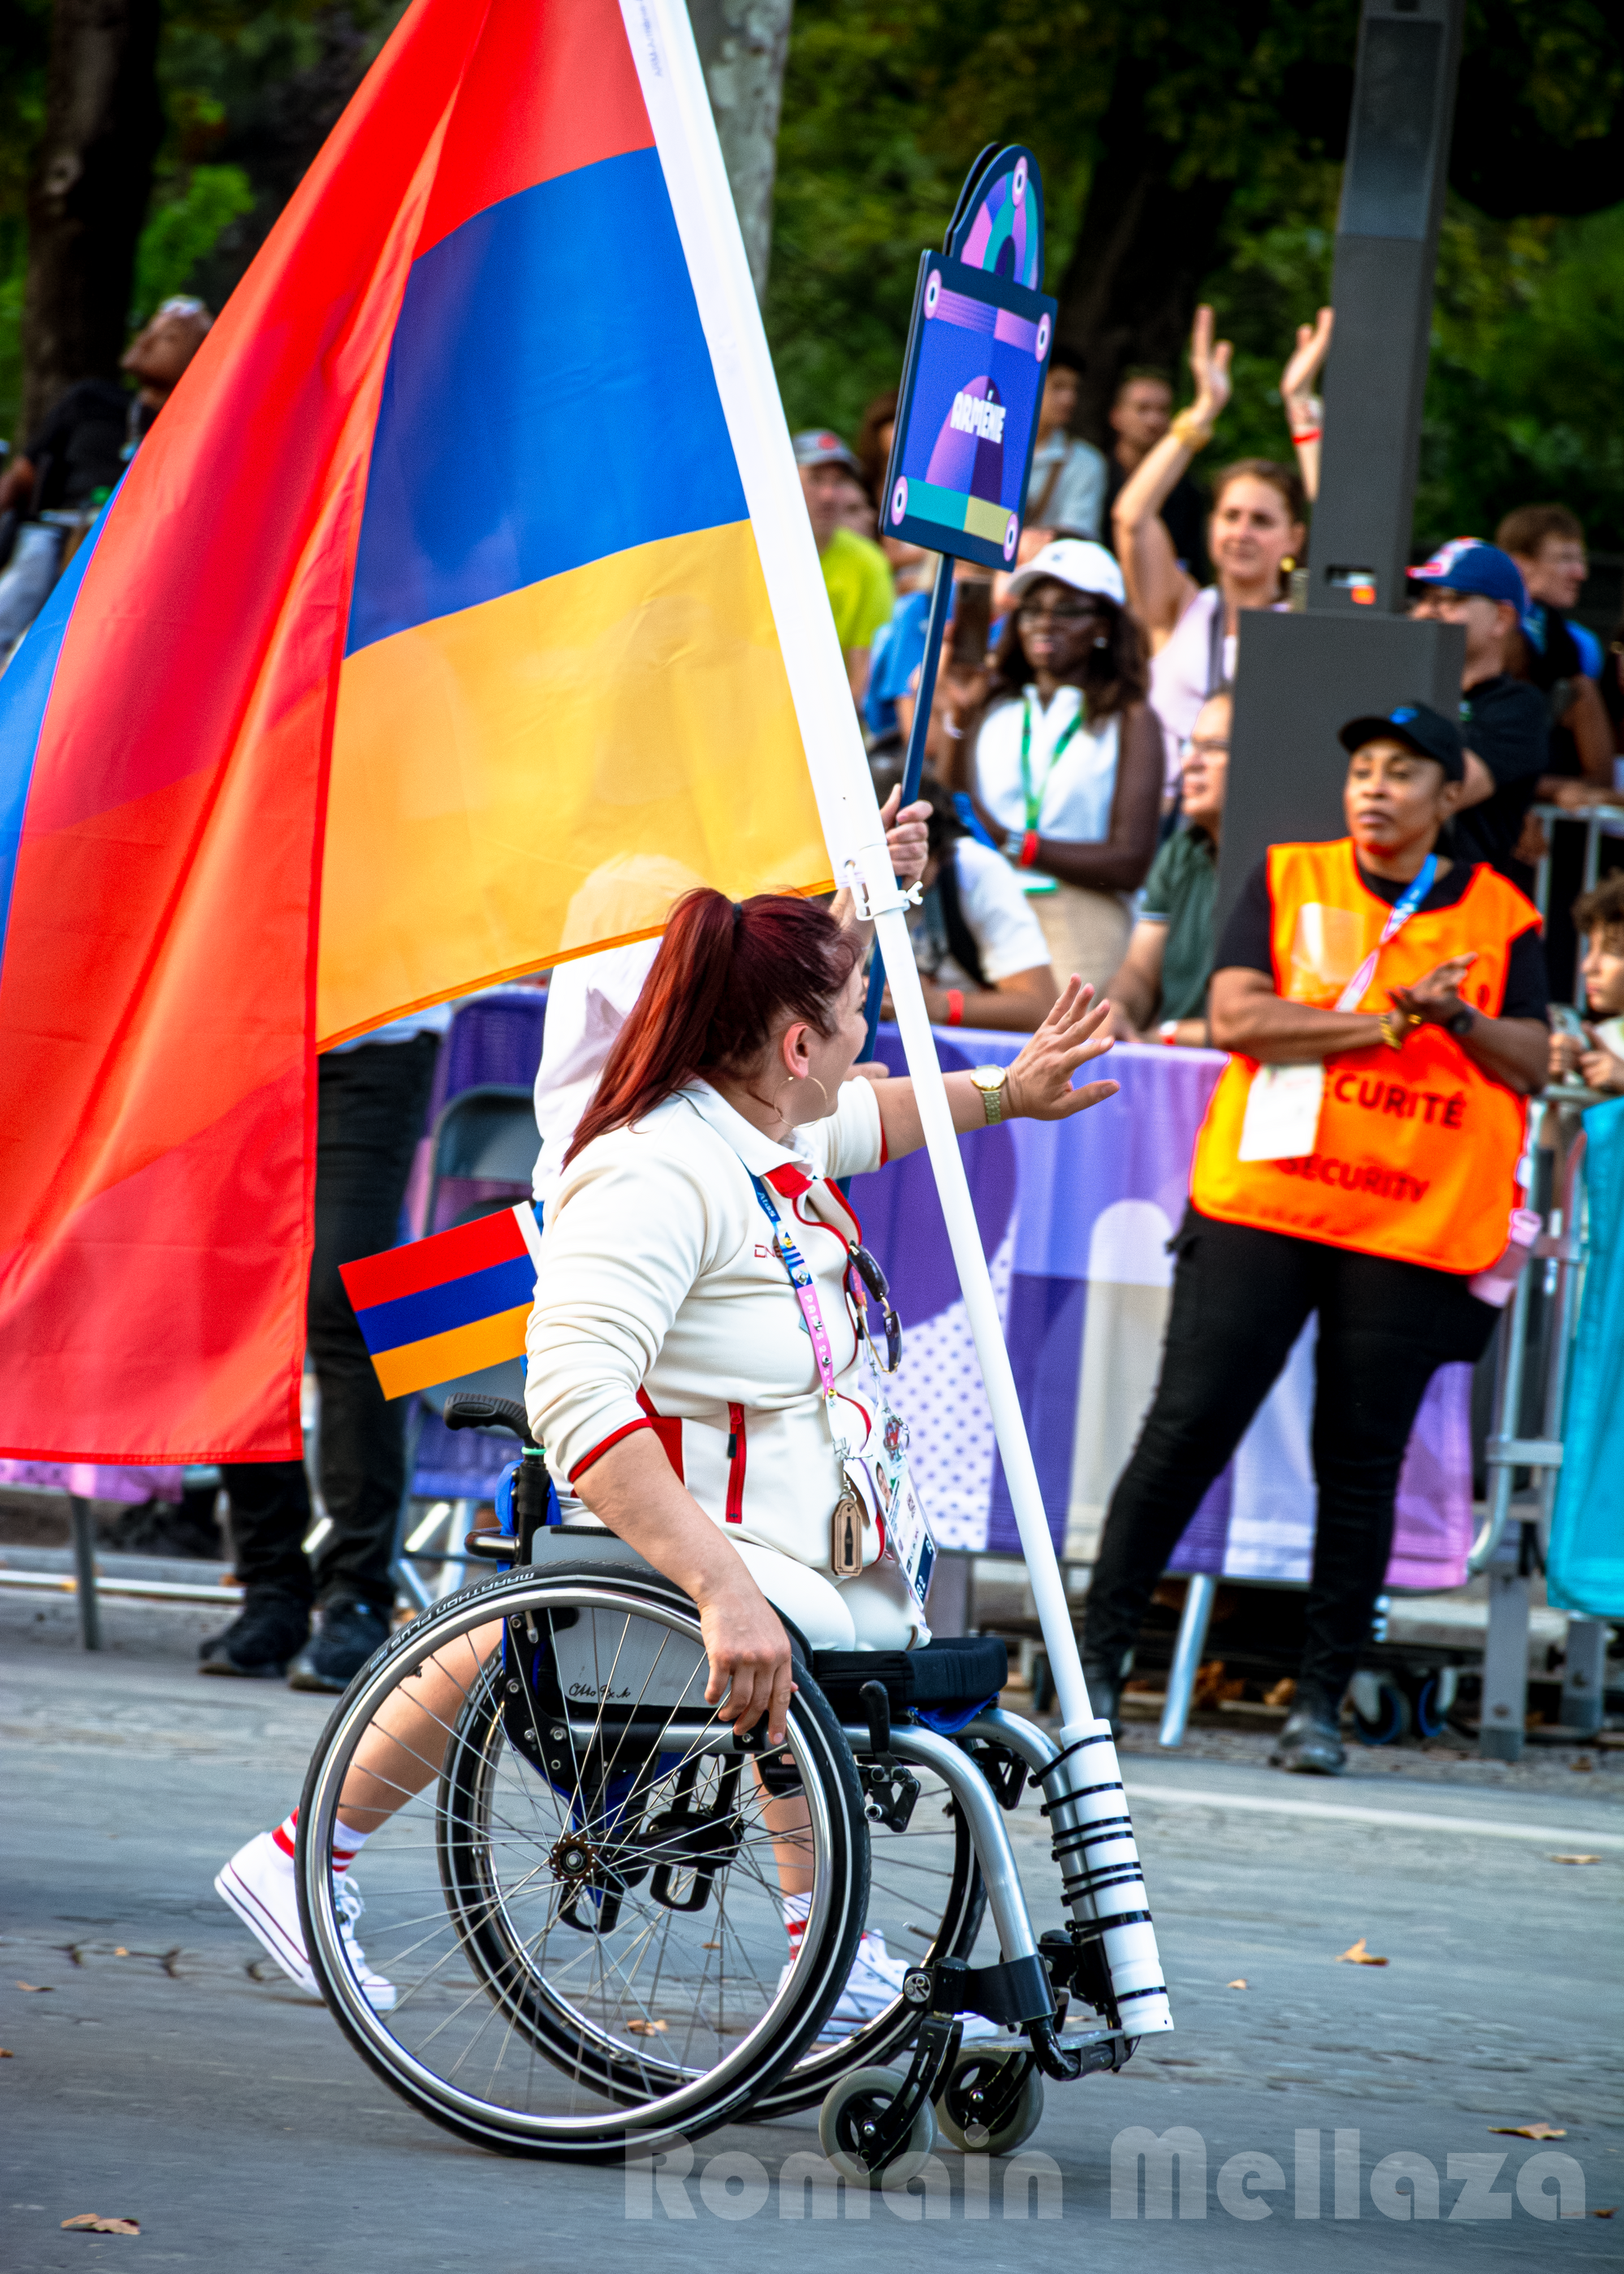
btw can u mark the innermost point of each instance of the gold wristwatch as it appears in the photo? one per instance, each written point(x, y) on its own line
point(989, 1081)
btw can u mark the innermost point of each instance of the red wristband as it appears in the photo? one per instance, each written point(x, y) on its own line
point(1028, 848)
point(955, 1006)
point(1308, 434)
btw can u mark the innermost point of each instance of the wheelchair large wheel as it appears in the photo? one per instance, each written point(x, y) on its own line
point(578, 1895)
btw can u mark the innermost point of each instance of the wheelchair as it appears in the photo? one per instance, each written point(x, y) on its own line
point(578, 1900)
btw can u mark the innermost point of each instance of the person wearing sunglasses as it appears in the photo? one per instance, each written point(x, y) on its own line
point(1062, 756)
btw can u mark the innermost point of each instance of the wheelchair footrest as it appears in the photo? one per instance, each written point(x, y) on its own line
point(1013, 1993)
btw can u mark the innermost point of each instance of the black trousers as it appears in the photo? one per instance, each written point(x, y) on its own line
point(371, 1105)
point(1240, 1300)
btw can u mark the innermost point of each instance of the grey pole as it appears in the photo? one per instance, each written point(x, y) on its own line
point(84, 1520)
point(1299, 677)
point(1382, 288)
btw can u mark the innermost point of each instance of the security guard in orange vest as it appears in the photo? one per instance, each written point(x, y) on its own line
point(1385, 1010)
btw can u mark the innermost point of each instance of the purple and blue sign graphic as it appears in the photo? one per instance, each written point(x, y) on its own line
point(969, 418)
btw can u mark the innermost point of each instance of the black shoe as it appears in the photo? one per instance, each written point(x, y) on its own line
point(269, 1629)
point(349, 1635)
point(1105, 1696)
point(1310, 1743)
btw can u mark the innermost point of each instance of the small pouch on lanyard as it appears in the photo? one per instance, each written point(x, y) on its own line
point(846, 1535)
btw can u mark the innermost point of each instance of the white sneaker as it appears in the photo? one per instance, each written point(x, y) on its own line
point(876, 1983)
point(259, 1885)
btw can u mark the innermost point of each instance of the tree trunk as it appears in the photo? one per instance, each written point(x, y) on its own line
point(742, 47)
point(1129, 292)
point(104, 123)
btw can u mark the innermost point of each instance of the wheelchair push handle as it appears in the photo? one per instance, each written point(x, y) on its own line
point(471, 1409)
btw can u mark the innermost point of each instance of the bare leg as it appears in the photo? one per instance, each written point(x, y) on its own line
point(789, 1820)
point(403, 1750)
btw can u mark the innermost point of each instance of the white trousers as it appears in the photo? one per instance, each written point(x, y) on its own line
point(876, 1610)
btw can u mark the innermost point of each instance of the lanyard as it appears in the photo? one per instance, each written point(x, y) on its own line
point(1035, 801)
point(1398, 916)
point(806, 1294)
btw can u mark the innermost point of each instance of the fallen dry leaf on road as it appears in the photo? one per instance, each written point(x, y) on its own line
point(646, 2029)
point(1529, 2131)
point(94, 2223)
point(1583, 1766)
point(1575, 1859)
point(6, 2053)
point(120, 1952)
point(1358, 1956)
point(40, 1989)
point(1239, 1984)
point(1612, 2211)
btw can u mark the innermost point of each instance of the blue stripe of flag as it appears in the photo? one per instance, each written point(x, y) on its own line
point(457, 1303)
point(24, 693)
point(549, 402)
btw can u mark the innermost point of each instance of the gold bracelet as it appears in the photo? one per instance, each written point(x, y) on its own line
point(1395, 1026)
point(1191, 429)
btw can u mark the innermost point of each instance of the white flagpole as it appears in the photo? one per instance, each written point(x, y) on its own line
point(674, 91)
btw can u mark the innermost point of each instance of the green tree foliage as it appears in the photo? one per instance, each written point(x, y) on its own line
point(249, 91)
point(192, 212)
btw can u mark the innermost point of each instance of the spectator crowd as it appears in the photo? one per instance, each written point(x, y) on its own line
point(1077, 750)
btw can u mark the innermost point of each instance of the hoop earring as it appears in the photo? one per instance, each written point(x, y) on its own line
point(1101, 640)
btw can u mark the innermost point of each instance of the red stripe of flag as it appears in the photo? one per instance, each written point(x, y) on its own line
point(425, 1263)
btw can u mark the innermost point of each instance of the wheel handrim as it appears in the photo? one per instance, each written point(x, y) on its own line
point(646, 2089)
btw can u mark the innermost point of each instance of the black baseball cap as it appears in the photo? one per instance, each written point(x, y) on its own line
point(1423, 730)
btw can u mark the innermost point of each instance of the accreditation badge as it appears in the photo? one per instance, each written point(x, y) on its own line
point(1282, 1113)
point(908, 1536)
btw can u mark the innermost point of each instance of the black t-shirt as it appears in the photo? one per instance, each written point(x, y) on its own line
point(1184, 511)
point(80, 446)
point(1508, 723)
point(1551, 661)
point(1245, 944)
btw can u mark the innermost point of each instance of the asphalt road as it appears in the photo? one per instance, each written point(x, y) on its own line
point(163, 2070)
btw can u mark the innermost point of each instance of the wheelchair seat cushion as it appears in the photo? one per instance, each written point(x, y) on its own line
point(958, 1671)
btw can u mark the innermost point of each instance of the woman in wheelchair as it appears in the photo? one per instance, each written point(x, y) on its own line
point(697, 1376)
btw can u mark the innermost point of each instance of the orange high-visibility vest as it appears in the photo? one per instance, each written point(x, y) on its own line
point(1417, 1150)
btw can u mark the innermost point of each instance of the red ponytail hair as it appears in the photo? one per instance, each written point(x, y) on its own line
point(727, 972)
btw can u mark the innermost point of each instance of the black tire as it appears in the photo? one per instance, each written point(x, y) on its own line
point(979, 2068)
point(864, 2094)
point(550, 2002)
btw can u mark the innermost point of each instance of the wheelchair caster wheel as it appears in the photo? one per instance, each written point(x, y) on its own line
point(976, 2075)
point(857, 2100)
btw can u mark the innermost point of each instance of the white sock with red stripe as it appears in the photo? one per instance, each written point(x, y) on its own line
point(795, 1910)
point(347, 1845)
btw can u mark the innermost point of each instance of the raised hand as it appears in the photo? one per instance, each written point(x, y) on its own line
point(1314, 345)
point(1075, 1031)
point(1209, 366)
